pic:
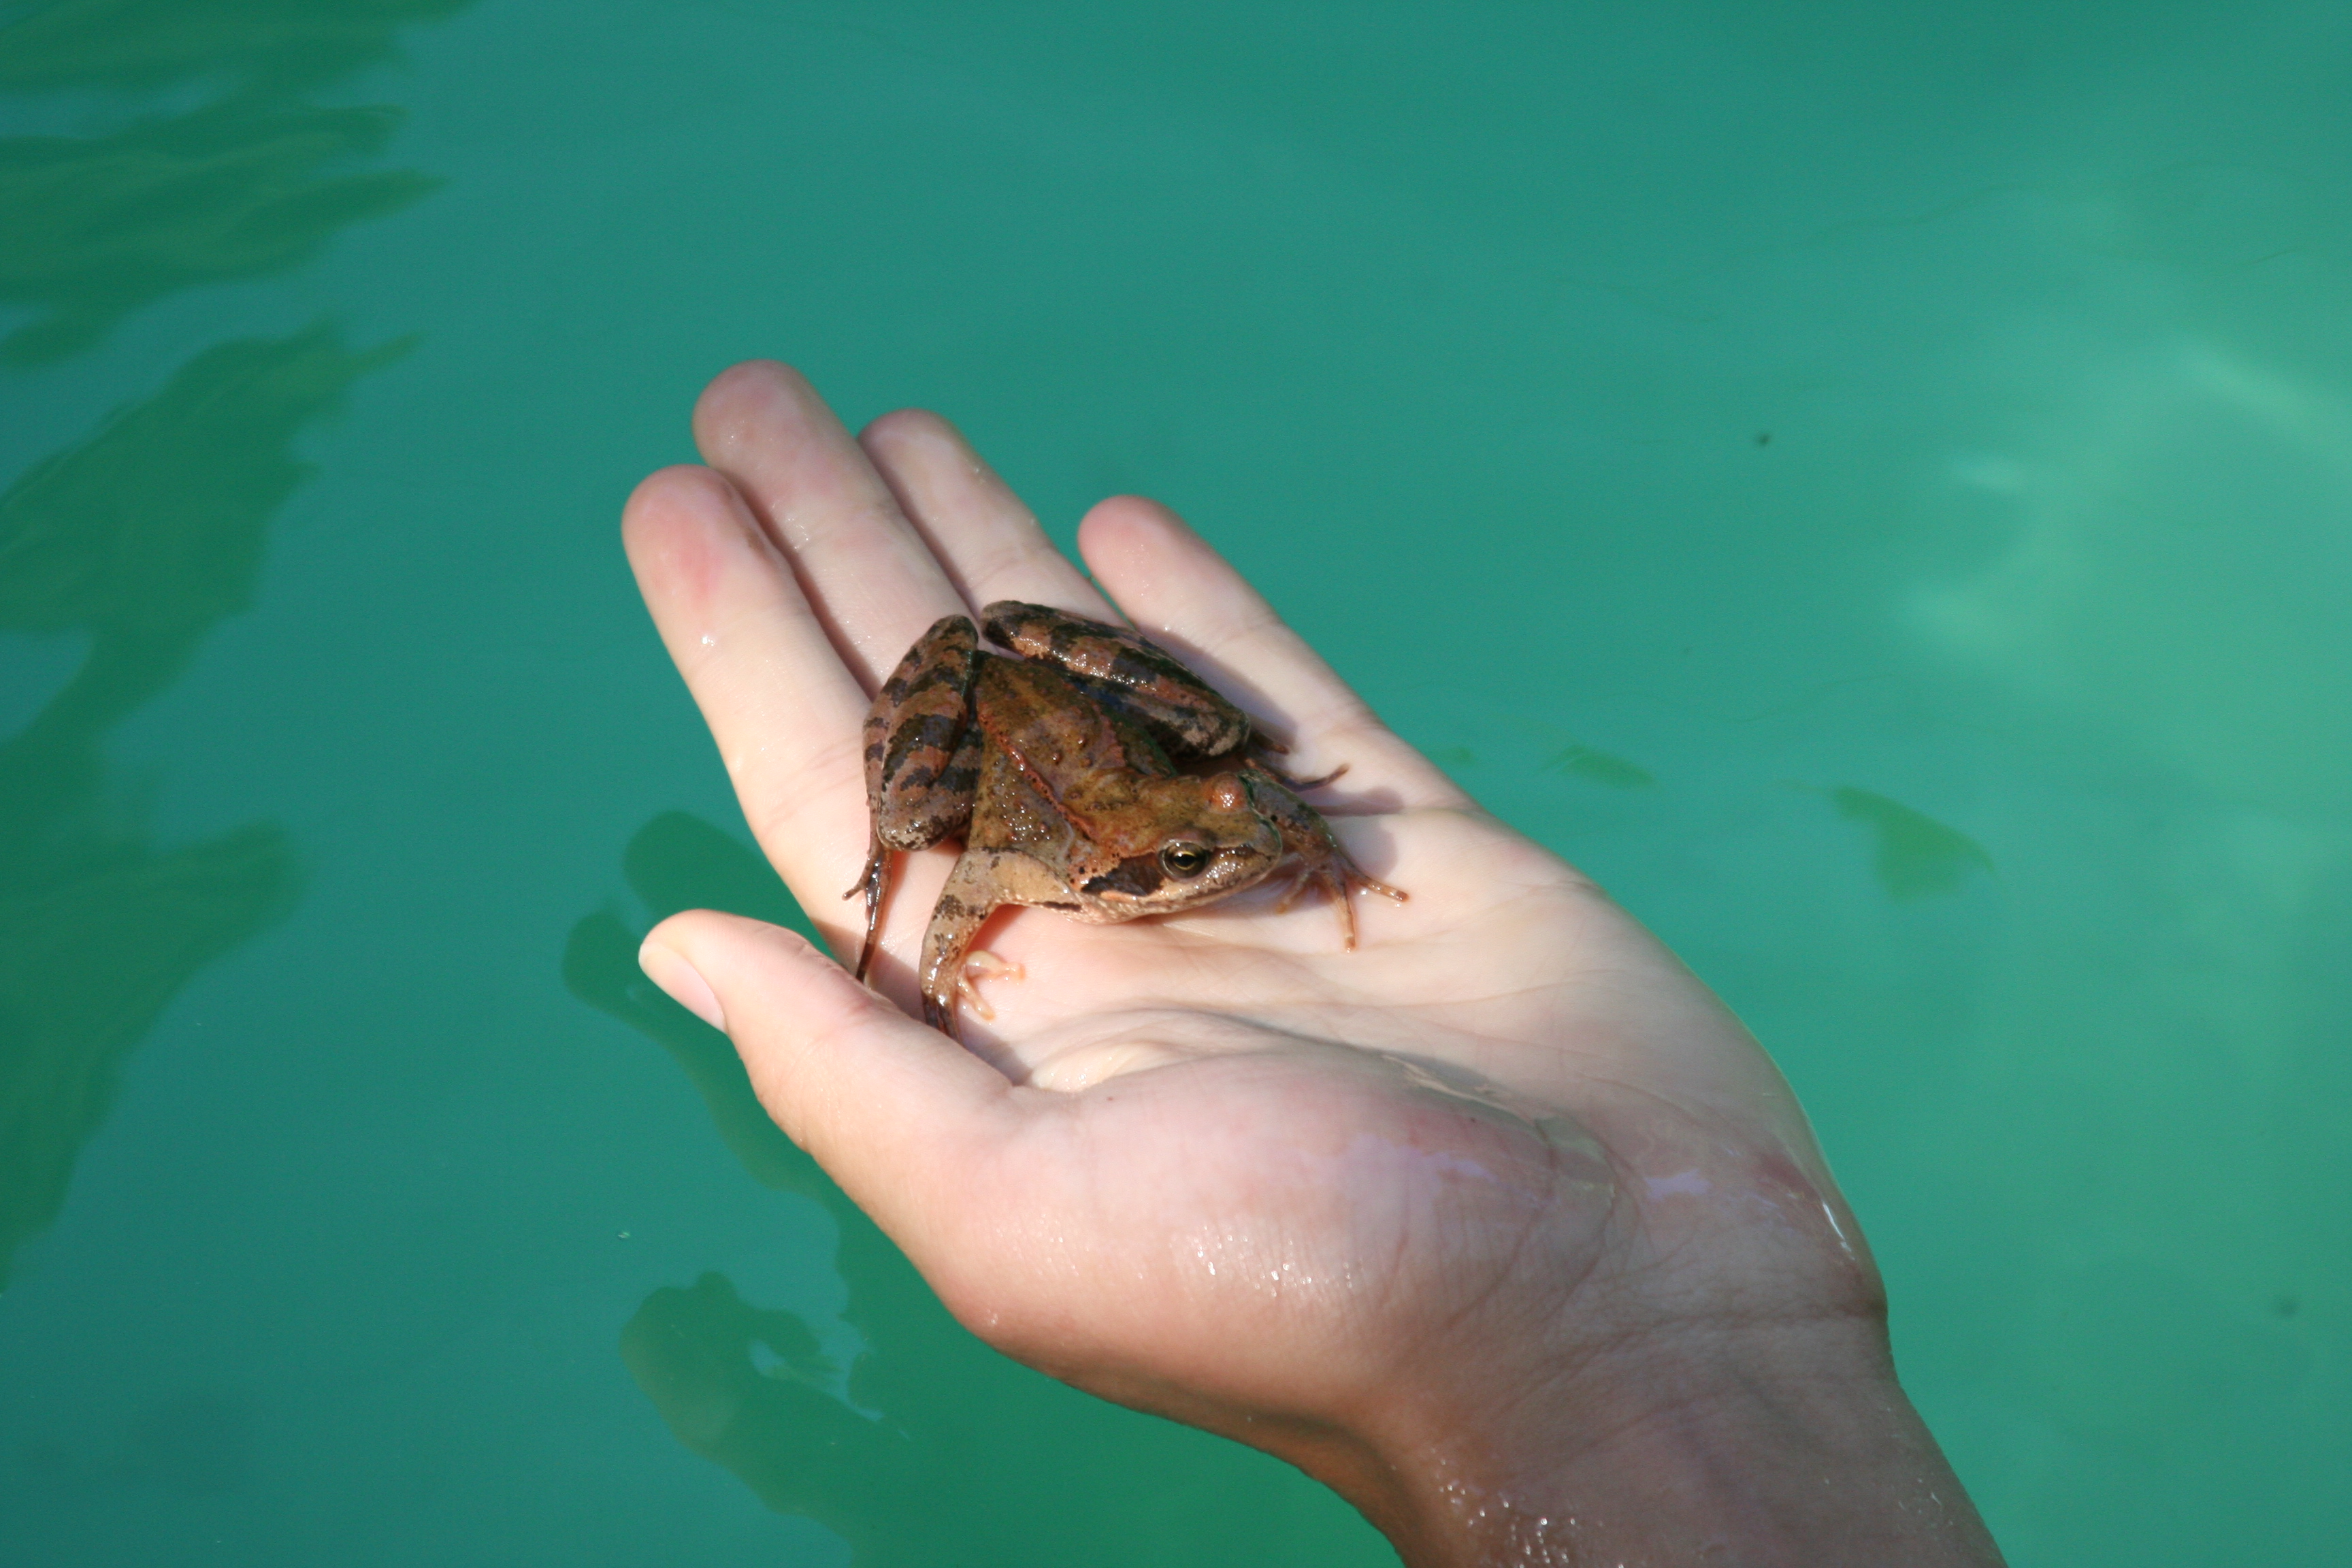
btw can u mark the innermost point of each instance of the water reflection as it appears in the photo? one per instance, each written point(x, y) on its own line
point(196, 1444)
point(142, 537)
point(938, 1449)
point(2172, 565)
point(267, 45)
point(92, 227)
point(148, 532)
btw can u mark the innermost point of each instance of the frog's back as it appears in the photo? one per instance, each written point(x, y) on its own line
point(1053, 731)
point(1126, 672)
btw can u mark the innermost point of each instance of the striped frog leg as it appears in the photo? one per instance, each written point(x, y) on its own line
point(922, 758)
point(1127, 674)
point(984, 880)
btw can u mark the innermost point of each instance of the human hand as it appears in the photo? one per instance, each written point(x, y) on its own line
point(1500, 1224)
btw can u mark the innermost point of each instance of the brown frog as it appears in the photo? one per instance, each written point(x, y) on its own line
point(1088, 772)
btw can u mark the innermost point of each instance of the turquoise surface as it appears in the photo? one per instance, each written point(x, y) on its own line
point(1871, 483)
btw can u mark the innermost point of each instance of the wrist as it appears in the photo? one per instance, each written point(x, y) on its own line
point(1780, 1444)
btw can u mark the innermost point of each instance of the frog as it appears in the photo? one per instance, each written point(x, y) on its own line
point(1088, 770)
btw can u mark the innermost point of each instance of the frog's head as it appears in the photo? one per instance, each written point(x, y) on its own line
point(1186, 841)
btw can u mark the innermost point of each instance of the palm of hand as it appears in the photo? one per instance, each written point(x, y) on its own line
point(1211, 1164)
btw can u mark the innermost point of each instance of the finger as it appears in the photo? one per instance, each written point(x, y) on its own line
point(779, 701)
point(989, 544)
point(1179, 591)
point(898, 1115)
point(866, 573)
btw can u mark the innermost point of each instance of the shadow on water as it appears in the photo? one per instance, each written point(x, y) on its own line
point(1596, 766)
point(278, 45)
point(142, 537)
point(93, 227)
point(1912, 855)
point(942, 1451)
point(145, 534)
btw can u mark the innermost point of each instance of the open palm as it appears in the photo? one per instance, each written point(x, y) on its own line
point(1406, 1204)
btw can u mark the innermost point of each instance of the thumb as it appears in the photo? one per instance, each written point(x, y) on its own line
point(895, 1112)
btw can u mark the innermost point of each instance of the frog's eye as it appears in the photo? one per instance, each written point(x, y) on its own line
point(1182, 859)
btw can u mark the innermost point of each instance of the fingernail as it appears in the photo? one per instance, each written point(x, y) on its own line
point(668, 969)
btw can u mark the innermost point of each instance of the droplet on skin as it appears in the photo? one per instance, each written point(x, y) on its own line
point(1836, 1229)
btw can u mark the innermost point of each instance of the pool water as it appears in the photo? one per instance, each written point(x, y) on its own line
point(1873, 484)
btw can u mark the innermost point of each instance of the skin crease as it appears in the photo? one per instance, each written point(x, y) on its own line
point(1503, 1226)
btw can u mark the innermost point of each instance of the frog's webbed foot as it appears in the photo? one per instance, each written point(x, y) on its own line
point(871, 881)
point(979, 965)
point(1343, 878)
point(1352, 881)
point(1309, 845)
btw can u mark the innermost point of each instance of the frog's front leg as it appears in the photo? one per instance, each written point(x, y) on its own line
point(979, 965)
point(983, 882)
point(922, 757)
point(1308, 840)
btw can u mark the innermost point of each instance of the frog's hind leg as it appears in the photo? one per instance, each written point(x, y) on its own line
point(915, 821)
point(1126, 672)
point(923, 759)
point(871, 882)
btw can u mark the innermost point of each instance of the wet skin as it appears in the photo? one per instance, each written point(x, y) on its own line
point(1087, 771)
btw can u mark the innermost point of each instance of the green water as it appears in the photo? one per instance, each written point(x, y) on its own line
point(1871, 483)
